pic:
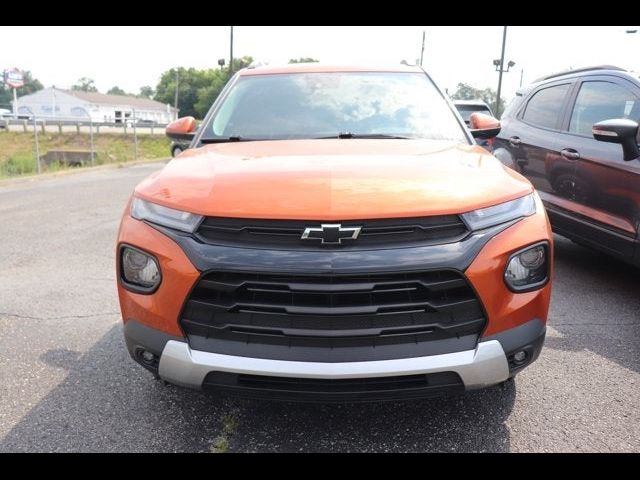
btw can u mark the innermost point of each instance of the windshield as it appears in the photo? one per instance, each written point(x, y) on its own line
point(320, 105)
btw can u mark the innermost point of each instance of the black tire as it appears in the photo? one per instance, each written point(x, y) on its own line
point(176, 150)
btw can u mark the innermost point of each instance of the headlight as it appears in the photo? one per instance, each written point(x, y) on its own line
point(139, 269)
point(167, 217)
point(504, 212)
point(528, 269)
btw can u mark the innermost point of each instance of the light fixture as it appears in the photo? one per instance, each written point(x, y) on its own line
point(139, 270)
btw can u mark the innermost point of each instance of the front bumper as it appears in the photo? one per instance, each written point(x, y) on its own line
point(484, 366)
point(490, 363)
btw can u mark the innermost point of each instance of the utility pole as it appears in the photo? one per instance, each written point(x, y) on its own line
point(175, 103)
point(422, 51)
point(231, 53)
point(521, 74)
point(504, 42)
point(15, 105)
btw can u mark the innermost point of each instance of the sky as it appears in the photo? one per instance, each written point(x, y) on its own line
point(131, 57)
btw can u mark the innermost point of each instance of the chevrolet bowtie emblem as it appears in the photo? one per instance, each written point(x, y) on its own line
point(331, 233)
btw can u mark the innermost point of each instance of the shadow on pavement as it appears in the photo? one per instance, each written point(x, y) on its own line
point(471, 422)
point(595, 304)
point(108, 403)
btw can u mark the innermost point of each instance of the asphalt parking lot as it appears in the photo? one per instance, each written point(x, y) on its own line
point(67, 382)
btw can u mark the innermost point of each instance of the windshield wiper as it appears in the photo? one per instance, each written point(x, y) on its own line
point(233, 138)
point(346, 135)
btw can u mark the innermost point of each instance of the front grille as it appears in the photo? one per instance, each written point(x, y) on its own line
point(322, 390)
point(375, 233)
point(336, 312)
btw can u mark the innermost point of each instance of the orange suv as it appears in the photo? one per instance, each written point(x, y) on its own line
point(334, 234)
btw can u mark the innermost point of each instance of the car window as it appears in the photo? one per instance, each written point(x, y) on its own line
point(467, 110)
point(312, 105)
point(545, 106)
point(512, 105)
point(599, 100)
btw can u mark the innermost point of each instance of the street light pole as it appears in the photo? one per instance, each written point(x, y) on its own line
point(521, 75)
point(422, 51)
point(504, 42)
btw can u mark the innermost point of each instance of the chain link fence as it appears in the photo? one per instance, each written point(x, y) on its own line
point(31, 144)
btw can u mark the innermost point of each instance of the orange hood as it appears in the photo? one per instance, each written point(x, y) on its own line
point(333, 179)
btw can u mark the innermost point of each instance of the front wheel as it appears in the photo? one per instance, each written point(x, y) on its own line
point(175, 151)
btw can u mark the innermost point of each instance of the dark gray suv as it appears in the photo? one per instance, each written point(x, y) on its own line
point(574, 135)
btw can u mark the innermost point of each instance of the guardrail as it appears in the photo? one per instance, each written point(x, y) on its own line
point(82, 149)
point(79, 126)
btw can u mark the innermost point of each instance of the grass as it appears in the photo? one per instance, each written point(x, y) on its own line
point(229, 426)
point(17, 149)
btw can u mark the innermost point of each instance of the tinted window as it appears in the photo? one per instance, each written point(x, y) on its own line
point(312, 105)
point(467, 110)
point(512, 106)
point(545, 106)
point(599, 101)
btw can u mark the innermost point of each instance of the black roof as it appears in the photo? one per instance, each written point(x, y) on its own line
point(578, 70)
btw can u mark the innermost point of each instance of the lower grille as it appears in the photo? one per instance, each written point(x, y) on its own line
point(283, 312)
point(321, 390)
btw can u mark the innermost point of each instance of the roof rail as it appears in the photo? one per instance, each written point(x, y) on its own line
point(578, 70)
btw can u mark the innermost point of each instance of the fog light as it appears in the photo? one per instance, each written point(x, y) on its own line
point(140, 269)
point(146, 358)
point(149, 357)
point(527, 269)
point(520, 356)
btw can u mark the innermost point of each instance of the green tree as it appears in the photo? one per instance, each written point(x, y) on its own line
point(208, 94)
point(85, 84)
point(146, 92)
point(197, 89)
point(116, 91)
point(6, 97)
point(30, 85)
point(188, 82)
point(242, 62)
point(487, 95)
point(303, 60)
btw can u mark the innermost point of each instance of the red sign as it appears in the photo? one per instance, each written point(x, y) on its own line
point(14, 78)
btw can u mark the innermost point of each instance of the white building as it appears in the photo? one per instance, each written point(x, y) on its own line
point(55, 103)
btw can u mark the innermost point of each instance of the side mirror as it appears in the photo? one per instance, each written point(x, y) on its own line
point(182, 129)
point(483, 125)
point(619, 130)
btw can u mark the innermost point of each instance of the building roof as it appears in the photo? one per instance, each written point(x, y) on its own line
point(104, 99)
point(321, 68)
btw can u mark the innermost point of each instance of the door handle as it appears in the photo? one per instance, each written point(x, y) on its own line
point(570, 154)
point(514, 141)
